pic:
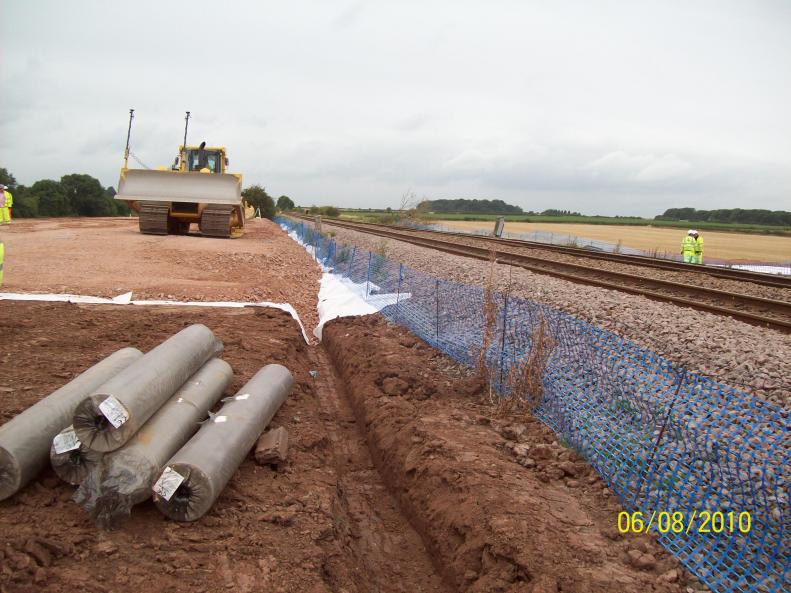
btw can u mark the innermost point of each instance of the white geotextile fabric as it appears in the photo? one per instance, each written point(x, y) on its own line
point(341, 297)
point(126, 299)
point(763, 268)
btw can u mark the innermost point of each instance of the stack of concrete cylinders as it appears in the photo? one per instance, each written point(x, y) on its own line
point(26, 440)
point(194, 477)
point(109, 417)
point(125, 476)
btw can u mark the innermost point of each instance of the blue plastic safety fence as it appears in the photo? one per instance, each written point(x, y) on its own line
point(664, 439)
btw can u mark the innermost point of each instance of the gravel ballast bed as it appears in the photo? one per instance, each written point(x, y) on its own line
point(693, 278)
point(755, 359)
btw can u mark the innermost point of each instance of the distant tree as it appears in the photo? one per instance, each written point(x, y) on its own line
point(257, 197)
point(285, 203)
point(6, 178)
point(554, 212)
point(87, 196)
point(331, 211)
point(728, 215)
point(121, 208)
point(25, 202)
point(52, 198)
point(463, 205)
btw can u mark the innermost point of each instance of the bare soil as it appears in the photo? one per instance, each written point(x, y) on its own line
point(494, 519)
point(109, 256)
point(399, 479)
point(326, 523)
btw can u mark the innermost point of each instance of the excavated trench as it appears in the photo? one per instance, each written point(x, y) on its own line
point(386, 552)
point(498, 503)
point(399, 477)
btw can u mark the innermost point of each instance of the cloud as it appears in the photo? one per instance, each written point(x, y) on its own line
point(568, 105)
point(621, 167)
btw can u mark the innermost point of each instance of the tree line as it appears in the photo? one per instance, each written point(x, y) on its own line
point(734, 215)
point(79, 194)
point(256, 196)
point(463, 205)
point(76, 194)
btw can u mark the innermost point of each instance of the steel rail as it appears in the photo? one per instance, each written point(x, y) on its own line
point(762, 278)
point(748, 308)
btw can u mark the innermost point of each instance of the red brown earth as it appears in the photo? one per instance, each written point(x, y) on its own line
point(326, 523)
point(108, 256)
point(399, 477)
point(500, 504)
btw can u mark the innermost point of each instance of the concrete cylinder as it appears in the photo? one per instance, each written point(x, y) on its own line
point(108, 418)
point(193, 478)
point(26, 439)
point(125, 476)
point(71, 460)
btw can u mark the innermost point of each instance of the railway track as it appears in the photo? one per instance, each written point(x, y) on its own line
point(771, 313)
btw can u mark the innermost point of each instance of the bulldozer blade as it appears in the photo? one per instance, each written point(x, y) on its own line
point(174, 186)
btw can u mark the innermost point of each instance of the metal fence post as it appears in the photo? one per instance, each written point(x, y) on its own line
point(351, 262)
point(682, 378)
point(368, 276)
point(502, 341)
point(436, 293)
point(398, 293)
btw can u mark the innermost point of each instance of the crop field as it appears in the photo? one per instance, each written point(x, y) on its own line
point(373, 215)
point(729, 246)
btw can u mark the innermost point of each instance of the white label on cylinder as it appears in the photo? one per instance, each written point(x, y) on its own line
point(114, 411)
point(168, 483)
point(66, 441)
point(220, 419)
point(243, 396)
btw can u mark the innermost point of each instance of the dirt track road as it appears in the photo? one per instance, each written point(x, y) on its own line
point(108, 256)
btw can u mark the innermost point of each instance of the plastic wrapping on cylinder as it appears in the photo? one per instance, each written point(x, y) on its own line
point(124, 477)
point(71, 460)
point(194, 477)
point(115, 411)
point(26, 439)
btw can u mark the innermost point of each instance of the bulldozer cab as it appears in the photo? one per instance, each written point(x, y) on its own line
point(194, 158)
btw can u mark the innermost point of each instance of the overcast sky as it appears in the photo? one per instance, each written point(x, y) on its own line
point(623, 107)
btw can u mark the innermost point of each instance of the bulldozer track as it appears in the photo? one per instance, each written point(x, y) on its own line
point(154, 218)
point(215, 221)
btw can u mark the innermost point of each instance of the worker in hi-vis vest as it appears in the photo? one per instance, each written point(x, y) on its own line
point(698, 248)
point(6, 201)
point(688, 248)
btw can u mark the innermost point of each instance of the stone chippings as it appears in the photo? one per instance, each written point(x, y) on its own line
point(755, 359)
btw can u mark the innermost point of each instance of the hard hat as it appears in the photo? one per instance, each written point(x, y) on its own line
point(690, 232)
point(2, 186)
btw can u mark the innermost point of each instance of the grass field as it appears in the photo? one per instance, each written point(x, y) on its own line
point(586, 220)
point(730, 246)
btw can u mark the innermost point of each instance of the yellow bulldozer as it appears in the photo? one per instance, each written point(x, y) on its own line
point(196, 189)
